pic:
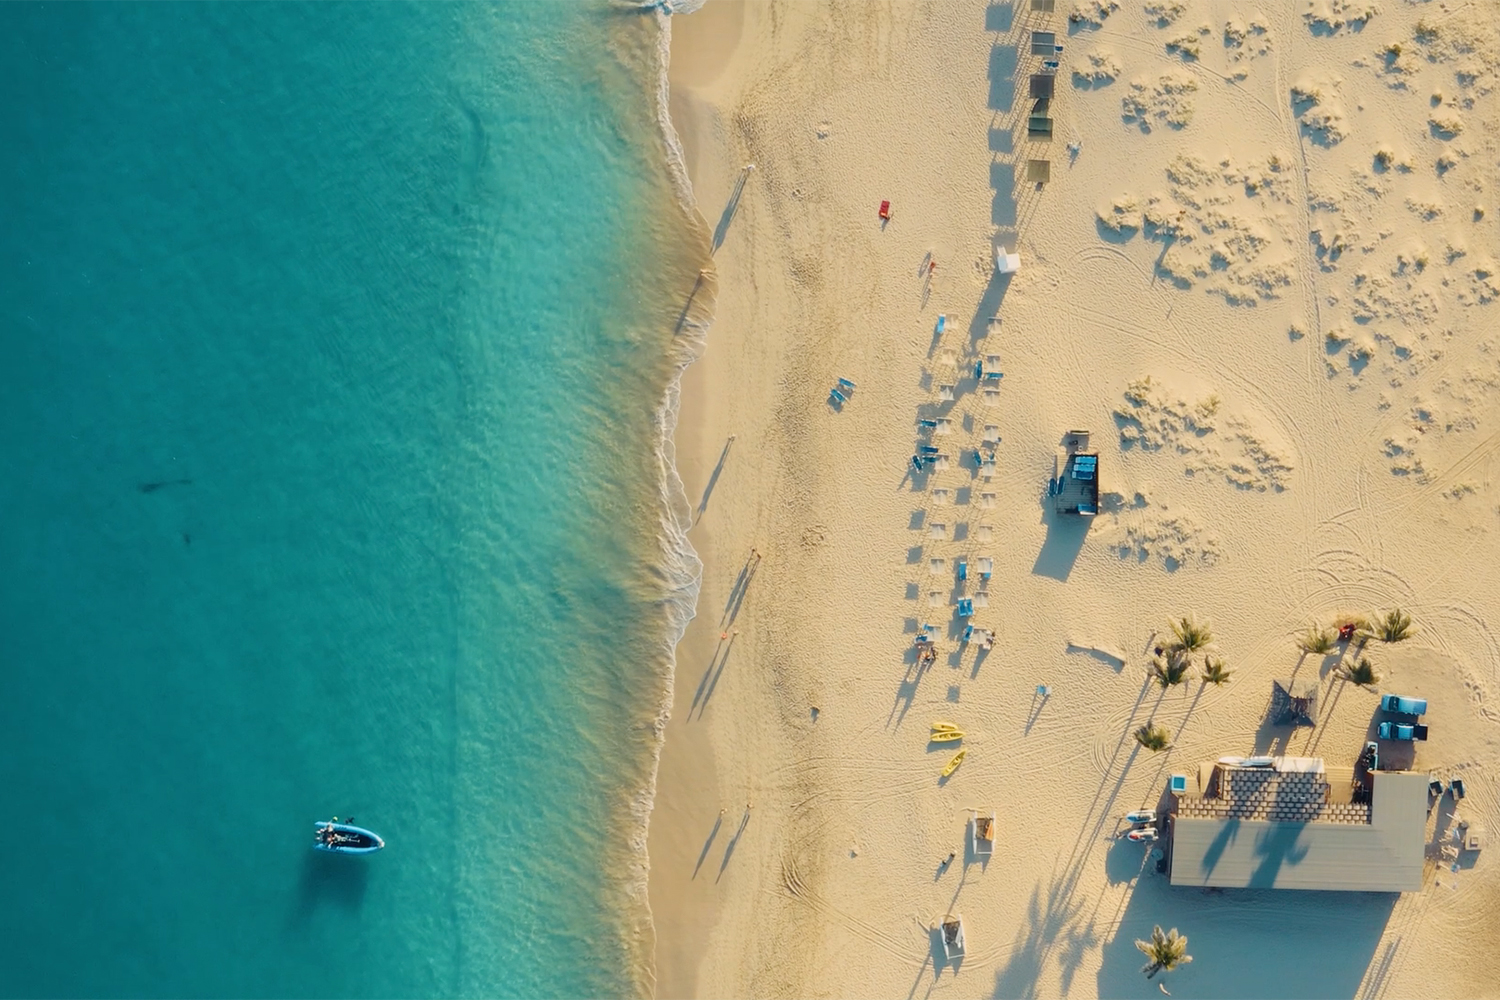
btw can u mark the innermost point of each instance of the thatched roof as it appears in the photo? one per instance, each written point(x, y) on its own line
point(1294, 703)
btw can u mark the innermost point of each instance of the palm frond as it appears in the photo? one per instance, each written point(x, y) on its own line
point(1317, 640)
point(1153, 738)
point(1362, 673)
point(1191, 634)
point(1214, 671)
point(1173, 669)
point(1395, 626)
point(1165, 950)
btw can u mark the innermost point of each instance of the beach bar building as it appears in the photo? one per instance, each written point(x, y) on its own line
point(1292, 823)
point(1078, 487)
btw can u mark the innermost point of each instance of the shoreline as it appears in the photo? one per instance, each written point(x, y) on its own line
point(689, 773)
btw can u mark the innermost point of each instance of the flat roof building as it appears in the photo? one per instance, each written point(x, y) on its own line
point(1298, 825)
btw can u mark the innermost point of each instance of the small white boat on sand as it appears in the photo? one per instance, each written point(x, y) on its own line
point(1142, 835)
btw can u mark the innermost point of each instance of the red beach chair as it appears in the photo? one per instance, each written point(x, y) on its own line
point(885, 210)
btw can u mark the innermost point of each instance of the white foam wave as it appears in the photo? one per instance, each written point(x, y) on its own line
point(681, 569)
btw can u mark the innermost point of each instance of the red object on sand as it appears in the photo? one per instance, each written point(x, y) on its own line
point(885, 210)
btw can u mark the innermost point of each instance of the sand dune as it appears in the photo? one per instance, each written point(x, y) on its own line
point(1262, 275)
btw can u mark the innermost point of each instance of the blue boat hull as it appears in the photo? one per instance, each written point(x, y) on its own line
point(347, 839)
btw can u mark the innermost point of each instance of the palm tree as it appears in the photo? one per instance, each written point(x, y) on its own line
point(1191, 636)
point(1316, 640)
point(1173, 670)
point(1395, 626)
point(1362, 673)
point(1166, 951)
point(1153, 738)
point(1214, 671)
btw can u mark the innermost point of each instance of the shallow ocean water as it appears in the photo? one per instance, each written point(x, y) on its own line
point(334, 339)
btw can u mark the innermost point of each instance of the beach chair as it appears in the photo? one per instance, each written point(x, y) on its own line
point(1456, 786)
point(929, 424)
point(952, 930)
point(1009, 263)
point(885, 210)
point(986, 567)
point(963, 568)
point(991, 434)
point(927, 449)
point(838, 395)
point(942, 323)
point(982, 833)
point(966, 608)
point(1043, 42)
point(845, 384)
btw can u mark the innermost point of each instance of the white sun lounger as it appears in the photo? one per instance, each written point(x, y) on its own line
point(952, 930)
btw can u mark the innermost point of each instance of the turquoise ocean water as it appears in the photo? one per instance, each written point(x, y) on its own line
point(334, 339)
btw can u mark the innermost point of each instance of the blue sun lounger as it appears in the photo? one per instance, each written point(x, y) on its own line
point(930, 424)
point(966, 608)
point(942, 323)
point(846, 384)
point(927, 449)
point(838, 395)
point(963, 569)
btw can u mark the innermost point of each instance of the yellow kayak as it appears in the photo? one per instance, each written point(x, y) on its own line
point(939, 727)
point(946, 735)
point(958, 759)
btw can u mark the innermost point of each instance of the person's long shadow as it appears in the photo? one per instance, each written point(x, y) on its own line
point(703, 682)
point(1038, 702)
point(719, 672)
point(713, 480)
point(733, 843)
point(739, 590)
point(708, 843)
point(730, 208)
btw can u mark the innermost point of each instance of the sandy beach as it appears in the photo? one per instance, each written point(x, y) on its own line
point(1262, 275)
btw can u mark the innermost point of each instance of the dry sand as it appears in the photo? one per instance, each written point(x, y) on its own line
point(1264, 276)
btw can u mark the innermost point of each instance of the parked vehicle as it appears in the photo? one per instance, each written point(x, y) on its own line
point(1402, 731)
point(1404, 705)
